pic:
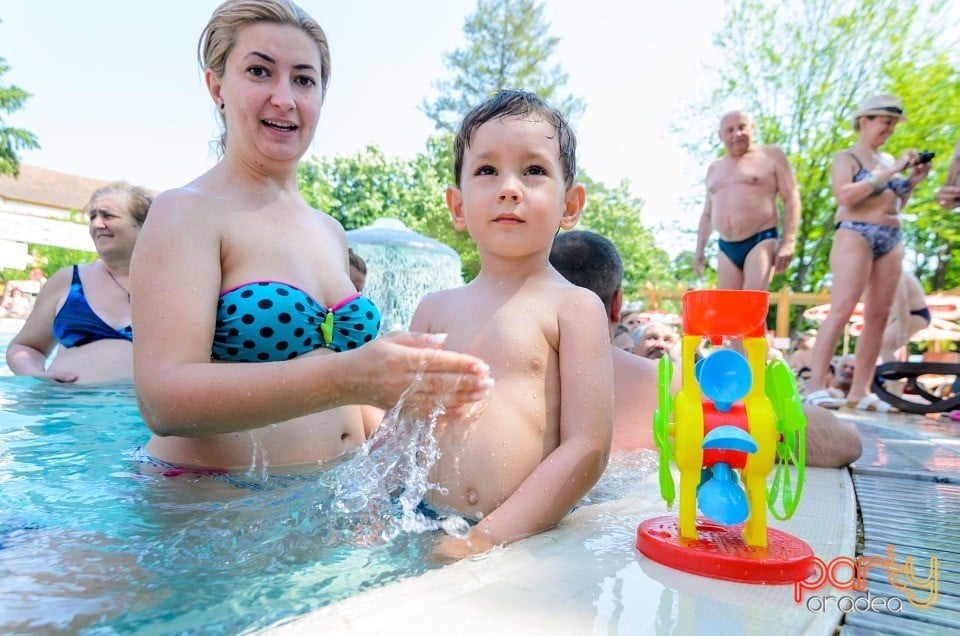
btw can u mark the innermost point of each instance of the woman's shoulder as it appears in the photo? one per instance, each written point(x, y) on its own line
point(329, 222)
point(846, 161)
point(188, 208)
point(189, 198)
point(61, 278)
point(847, 155)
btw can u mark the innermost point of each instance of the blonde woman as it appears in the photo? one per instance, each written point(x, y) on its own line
point(252, 341)
point(85, 309)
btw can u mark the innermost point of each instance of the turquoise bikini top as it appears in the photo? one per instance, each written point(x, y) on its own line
point(267, 321)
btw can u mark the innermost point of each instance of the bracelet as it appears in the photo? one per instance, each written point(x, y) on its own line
point(876, 184)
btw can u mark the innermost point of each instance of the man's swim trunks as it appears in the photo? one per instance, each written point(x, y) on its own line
point(737, 251)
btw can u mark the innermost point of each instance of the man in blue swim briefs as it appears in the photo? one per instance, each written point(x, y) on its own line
point(741, 204)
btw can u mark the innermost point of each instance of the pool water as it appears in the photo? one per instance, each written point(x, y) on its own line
point(94, 541)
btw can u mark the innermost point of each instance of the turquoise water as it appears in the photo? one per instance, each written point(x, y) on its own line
point(94, 542)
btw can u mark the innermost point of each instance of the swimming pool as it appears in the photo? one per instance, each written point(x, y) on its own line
point(93, 541)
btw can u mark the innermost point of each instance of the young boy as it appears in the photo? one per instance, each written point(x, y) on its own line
point(543, 438)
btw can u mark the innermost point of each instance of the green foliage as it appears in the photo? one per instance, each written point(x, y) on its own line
point(434, 170)
point(359, 189)
point(931, 86)
point(12, 140)
point(508, 46)
point(687, 277)
point(801, 67)
point(49, 259)
point(615, 213)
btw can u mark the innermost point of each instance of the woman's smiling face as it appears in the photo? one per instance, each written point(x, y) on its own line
point(271, 91)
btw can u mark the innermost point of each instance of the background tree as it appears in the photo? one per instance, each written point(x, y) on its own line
point(12, 140)
point(358, 189)
point(932, 234)
point(802, 66)
point(508, 46)
point(613, 212)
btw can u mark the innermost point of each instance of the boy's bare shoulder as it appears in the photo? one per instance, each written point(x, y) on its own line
point(443, 296)
point(571, 298)
point(438, 303)
point(569, 290)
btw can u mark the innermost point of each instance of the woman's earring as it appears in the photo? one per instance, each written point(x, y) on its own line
point(223, 105)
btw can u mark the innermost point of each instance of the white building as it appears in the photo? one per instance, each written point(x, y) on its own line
point(36, 207)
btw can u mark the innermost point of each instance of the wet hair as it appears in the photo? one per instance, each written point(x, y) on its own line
point(139, 199)
point(219, 36)
point(513, 103)
point(588, 260)
point(356, 262)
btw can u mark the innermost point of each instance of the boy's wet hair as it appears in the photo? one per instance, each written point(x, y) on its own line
point(511, 103)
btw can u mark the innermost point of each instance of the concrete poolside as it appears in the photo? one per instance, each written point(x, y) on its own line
point(907, 484)
point(585, 576)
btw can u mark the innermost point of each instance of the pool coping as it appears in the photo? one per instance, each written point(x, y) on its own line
point(585, 576)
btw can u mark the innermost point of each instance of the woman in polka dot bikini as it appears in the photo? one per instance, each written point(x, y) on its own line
point(251, 338)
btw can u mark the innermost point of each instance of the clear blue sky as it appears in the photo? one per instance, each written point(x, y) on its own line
point(117, 93)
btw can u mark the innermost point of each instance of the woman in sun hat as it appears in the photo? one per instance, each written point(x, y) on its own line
point(871, 190)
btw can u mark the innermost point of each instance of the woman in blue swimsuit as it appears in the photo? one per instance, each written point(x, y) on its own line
point(866, 255)
point(252, 341)
point(85, 309)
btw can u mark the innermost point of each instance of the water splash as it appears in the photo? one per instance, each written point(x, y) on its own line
point(625, 475)
point(391, 470)
point(368, 497)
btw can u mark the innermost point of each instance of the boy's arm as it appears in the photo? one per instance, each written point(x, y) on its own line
point(423, 316)
point(586, 425)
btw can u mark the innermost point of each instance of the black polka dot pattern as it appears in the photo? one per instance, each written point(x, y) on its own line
point(267, 321)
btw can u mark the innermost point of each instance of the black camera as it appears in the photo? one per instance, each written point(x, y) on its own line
point(926, 157)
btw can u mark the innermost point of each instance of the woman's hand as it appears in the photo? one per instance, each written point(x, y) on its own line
point(908, 159)
point(61, 377)
point(919, 173)
point(948, 197)
point(414, 366)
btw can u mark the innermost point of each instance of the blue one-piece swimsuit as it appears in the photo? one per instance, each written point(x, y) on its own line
point(267, 321)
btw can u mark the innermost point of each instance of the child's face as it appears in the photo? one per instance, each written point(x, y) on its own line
point(512, 196)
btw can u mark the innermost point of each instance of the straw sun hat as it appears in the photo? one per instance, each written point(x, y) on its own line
point(882, 105)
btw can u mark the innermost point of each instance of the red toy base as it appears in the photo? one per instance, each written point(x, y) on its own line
point(721, 553)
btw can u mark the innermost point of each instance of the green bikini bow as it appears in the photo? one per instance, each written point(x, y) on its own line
point(326, 328)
